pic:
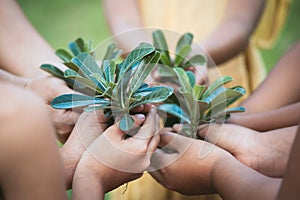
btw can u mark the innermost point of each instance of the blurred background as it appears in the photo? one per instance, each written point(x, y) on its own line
point(61, 21)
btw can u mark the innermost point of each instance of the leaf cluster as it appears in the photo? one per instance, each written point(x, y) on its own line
point(115, 87)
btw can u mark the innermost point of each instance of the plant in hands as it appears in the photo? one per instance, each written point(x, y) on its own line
point(111, 155)
point(199, 104)
point(183, 49)
point(118, 88)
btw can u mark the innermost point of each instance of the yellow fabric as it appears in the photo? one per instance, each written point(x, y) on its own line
point(201, 17)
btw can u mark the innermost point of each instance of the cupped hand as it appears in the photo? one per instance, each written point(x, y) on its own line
point(184, 164)
point(266, 152)
point(114, 159)
point(88, 127)
point(49, 87)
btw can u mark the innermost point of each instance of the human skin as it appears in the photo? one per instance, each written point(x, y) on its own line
point(265, 152)
point(30, 50)
point(112, 160)
point(31, 167)
point(277, 98)
point(240, 20)
point(220, 172)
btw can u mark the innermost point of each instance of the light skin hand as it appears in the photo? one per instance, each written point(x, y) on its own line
point(49, 87)
point(88, 127)
point(265, 152)
point(112, 160)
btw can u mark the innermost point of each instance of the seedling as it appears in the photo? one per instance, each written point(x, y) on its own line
point(199, 104)
point(117, 88)
point(183, 49)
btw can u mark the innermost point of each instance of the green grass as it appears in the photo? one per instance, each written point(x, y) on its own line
point(61, 21)
point(289, 35)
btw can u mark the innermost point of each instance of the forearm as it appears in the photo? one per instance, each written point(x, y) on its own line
point(6, 77)
point(87, 186)
point(239, 21)
point(233, 180)
point(22, 49)
point(125, 21)
point(264, 121)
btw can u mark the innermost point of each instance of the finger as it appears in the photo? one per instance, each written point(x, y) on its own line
point(150, 127)
point(223, 136)
point(153, 143)
point(173, 141)
point(159, 160)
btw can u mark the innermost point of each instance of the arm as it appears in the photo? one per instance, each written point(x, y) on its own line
point(9, 78)
point(203, 168)
point(239, 22)
point(112, 160)
point(23, 50)
point(265, 152)
point(282, 117)
point(30, 50)
point(31, 167)
point(280, 88)
point(125, 20)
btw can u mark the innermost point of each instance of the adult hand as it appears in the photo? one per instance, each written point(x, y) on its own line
point(49, 87)
point(112, 159)
point(88, 127)
point(266, 152)
point(187, 169)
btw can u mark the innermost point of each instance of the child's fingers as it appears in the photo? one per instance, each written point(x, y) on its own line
point(153, 143)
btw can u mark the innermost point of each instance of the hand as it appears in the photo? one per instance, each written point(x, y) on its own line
point(88, 127)
point(188, 169)
point(49, 87)
point(112, 160)
point(266, 152)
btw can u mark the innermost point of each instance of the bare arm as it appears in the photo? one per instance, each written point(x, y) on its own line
point(22, 49)
point(280, 88)
point(269, 120)
point(121, 20)
point(233, 34)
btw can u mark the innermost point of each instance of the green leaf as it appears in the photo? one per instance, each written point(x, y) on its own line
point(94, 108)
point(165, 71)
point(126, 122)
point(64, 55)
point(72, 66)
point(109, 68)
point(135, 55)
point(192, 78)
point(196, 60)
point(156, 96)
point(86, 64)
point(146, 91)
point(218, 83)
point(228, 111)
point(88, 47)
point(142, 71)
point(175, 110)
point(112, 52)
point(53, 70)
point(181, 55)
point(199, 90)
point(183, 79)
point(161, 45)
point(185, 40)
point(71, 74)
point(80, 44)
point(67, 101)
point(73, 46)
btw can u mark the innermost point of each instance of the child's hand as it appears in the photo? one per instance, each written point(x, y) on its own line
point(88, 127)
point(186, 166)
point(112, 159)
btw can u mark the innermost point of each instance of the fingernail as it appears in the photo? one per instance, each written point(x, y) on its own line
point(140, 116)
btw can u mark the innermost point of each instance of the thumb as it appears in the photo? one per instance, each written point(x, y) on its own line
point(225, 136)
